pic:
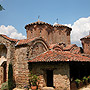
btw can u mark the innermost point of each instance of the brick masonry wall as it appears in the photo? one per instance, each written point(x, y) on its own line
point(86, 46)
point(60, 74)
point(51, 34)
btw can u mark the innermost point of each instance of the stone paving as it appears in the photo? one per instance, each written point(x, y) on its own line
point(50, 88)
point(86, 88)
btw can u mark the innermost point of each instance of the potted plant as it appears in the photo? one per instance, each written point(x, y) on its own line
point(26, 87)
point(33, 81)
point(77, 81)
point(88, 79)
point(85, 79)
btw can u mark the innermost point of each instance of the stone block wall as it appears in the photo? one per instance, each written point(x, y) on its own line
point(21, 67)
point(61, 74)
point(9, 52)
point(1, 75)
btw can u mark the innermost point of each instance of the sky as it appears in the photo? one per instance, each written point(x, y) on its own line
point(18, 13)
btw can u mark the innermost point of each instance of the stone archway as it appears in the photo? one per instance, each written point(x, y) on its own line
point(3, 63)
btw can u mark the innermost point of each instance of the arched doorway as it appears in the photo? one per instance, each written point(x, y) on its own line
point(3, 63)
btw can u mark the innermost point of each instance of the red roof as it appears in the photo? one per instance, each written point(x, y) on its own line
point(10, 39)
point(25, 41)
point(69, 47)
point(86, 37)
point(54, 56)
point(38, 22)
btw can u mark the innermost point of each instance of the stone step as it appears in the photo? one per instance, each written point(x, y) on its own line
point(48, 88)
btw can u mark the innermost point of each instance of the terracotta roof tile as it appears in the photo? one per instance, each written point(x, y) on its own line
point(86, 37)
point(54, 56)
point(25, 41)
point(67, 48)
point(38, 22)
point(60, 25)
point(10, 39)
point(55, 46)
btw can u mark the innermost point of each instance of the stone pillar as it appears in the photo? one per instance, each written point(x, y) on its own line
point(1, 75)
point(21, 67)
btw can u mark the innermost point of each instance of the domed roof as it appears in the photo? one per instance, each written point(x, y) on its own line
point(37, 23)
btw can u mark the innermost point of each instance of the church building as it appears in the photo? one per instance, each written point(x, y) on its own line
point(48, 53)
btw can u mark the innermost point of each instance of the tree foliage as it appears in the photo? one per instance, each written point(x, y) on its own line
point(10, 77)
point(1, 8)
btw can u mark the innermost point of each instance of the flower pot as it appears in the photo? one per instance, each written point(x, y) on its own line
point(26, 89)
point(33, 87)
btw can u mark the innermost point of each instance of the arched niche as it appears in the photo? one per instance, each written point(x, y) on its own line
point(57, 48)
point(3, 62)
point(37, 47)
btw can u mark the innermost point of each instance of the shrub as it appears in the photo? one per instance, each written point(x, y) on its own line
point(77, 81)
point(33, 79)
point(85, 78)
point(4, 86)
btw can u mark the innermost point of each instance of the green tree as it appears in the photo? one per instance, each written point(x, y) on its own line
point(10, 77)
point(1, 8)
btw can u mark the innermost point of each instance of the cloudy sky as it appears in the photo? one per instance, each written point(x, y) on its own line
point(18, 13)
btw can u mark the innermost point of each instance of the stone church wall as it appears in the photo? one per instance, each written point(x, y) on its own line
point(21, 67)
point(60, 74)
point(1, 75)
point(8, 54)
point(50, 33)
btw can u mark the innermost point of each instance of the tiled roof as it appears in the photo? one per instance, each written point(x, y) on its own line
point(55, 46)
point(60, 25)
point(54, 56)
point(87, 37)
point(67, 48)
point(25, 41)
point(38, 22)
point(10, 39)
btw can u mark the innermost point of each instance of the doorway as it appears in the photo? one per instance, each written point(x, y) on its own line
point(49, 78)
